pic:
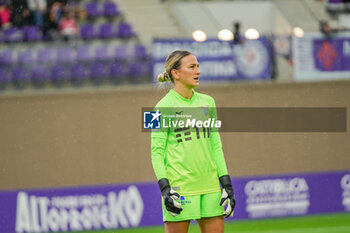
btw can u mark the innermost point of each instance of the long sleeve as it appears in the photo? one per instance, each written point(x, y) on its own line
point(159, 140)
point(217, 146)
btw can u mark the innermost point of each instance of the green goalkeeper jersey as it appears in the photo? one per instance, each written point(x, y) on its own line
point(191, 158)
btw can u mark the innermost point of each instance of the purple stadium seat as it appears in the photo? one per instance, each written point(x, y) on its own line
point(149, 68)
point(139, 71)
point(64, 54)
point(32, 33)
point(25, 56)
point(135, 69)
point(13, 34)
point(83, 54)
point(44, 55)
point(59, 74)
point(92, 9)
point(7, 57)
point(140, 52)
point(20, 76)
point(102, 53)
point(107, 31)
point(121, 52)
point(117, 72)
point(125, 30)
point(39, 75)
point(117, 69)
point(78, 74)
point(87, 31)
point(4, 79)
point(110, 9)
point(98, 72)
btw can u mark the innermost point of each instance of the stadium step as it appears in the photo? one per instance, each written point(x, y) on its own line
point(303, 13)
point(151, 19)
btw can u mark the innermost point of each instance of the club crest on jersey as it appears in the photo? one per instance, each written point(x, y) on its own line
point(151, 120)
point(205, 109)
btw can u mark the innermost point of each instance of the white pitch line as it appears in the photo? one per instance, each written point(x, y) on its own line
point(334, 229)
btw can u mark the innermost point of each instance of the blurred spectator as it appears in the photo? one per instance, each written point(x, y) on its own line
point(5, 15)
point(325, 29)
point(50, 2)
point(20, 14)
point(68, 26)
point(37, 9)
point(347, 5)
point(52, 19)
point(80, 12)
point(237, 37)
point(55, 12)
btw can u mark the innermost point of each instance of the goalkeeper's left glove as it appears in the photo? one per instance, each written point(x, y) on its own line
point(228, 196)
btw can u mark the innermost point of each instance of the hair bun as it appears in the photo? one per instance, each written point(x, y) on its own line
point(163, 77)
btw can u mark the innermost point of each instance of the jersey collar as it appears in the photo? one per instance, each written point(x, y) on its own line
point(178, 96)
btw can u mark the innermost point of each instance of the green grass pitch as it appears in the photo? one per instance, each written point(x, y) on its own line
point(327, 223)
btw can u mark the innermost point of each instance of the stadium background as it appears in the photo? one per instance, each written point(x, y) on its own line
point(62, 135)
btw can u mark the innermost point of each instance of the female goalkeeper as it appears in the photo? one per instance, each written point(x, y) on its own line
point(189, 162)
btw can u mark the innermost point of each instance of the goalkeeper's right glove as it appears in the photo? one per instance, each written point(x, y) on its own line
point(170, 197)
point(228, 196)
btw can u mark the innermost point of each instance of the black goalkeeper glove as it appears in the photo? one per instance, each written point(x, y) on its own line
point(228, 196)
point(170, 197)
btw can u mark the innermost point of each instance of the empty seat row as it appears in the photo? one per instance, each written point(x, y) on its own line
point(87, 31)
point(15, 34)
point(70, 54)
point(75, 73)
point(107, 30)
point(107, 9)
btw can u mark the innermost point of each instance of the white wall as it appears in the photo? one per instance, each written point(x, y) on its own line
point(193, 16)
point(280, 23)
point(214, 16)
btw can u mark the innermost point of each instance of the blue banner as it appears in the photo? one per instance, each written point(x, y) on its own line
point(138, 205)
point(332, 54)
point(219, 60)
point(317, 57)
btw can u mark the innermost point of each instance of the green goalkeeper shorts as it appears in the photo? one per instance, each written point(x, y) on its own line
point(196, 207)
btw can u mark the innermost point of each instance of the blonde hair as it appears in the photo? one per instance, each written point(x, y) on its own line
point(173, 61)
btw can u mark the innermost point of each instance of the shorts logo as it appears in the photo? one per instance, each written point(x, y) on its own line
point(183, 201)
point(151, 120)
